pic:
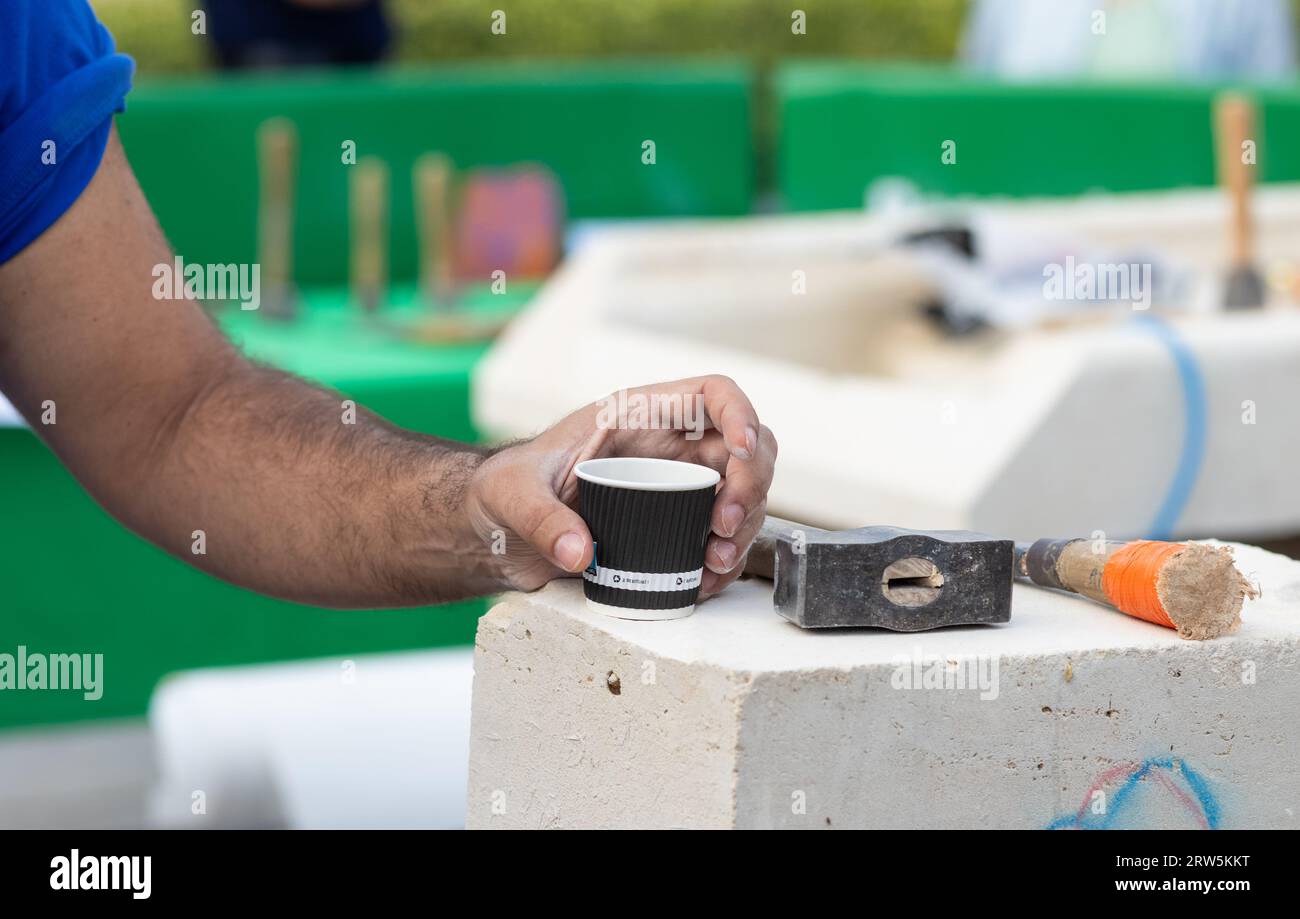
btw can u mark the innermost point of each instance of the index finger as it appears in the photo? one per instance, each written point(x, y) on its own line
point(726, 407)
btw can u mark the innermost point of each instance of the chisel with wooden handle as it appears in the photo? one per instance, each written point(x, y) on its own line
point(1193, 588)
point(277, 162)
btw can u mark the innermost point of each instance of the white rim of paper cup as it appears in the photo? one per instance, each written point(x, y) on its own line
point(640, 615)
point(647, 474)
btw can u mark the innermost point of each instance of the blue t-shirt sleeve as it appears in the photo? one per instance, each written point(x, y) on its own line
point(61, 81)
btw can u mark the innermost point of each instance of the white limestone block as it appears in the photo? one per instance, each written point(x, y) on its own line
point(1070, 715)
point(882, 419)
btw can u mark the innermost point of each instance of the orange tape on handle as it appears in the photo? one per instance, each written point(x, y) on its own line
point(1129, 579)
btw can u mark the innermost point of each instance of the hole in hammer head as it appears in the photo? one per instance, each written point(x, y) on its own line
point(911, 582)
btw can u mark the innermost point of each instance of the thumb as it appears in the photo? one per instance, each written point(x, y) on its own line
point(552, 528)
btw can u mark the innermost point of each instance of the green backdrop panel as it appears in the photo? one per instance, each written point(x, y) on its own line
point(844, 125)
point(418, 386)
point(192, 143)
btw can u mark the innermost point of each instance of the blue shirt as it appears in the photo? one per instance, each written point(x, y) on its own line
point(60, 84)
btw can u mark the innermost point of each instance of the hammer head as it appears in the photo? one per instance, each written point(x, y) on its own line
point(890, 578)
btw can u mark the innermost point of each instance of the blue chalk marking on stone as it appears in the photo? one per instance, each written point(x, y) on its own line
point(1199, 786)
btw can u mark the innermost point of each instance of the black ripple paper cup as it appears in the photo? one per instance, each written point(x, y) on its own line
point(649, 519)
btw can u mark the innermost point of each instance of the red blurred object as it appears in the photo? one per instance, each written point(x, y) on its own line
point(508, 219)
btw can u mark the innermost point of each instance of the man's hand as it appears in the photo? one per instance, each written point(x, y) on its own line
point(524, 496)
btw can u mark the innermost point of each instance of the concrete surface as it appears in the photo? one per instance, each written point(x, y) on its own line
point(1071, 715)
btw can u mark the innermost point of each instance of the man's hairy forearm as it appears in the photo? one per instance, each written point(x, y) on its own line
point(292, 492)
point(244, 471)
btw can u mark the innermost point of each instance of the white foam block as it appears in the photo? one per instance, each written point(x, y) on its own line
point(375, 741)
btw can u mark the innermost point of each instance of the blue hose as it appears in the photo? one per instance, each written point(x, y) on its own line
point(1194, 427)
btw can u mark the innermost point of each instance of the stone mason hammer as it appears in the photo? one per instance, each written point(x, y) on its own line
point(883, 577)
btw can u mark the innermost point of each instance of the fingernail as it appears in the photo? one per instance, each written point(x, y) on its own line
point(726, 553)
point(751, 440)
point(746, 450)
point(733, 515)
point(569, 550)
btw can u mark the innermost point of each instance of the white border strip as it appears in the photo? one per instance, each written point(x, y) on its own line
point(641, 580)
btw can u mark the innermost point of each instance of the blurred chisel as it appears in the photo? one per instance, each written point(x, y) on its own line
point(277, 163)
point(368, 219)
point(1234, 121)
point(433, 213)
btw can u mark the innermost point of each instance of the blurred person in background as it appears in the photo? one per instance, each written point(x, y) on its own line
point(297, 33)
point(1156, 39)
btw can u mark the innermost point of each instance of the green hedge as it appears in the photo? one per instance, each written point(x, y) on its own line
point(157, 32)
